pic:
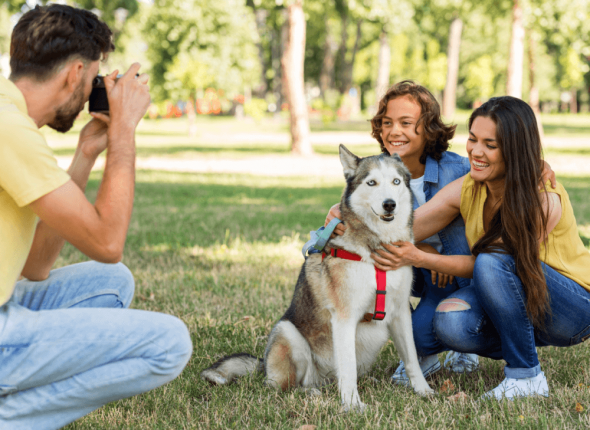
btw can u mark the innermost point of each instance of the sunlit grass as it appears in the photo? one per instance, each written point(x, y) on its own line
point(222, 252)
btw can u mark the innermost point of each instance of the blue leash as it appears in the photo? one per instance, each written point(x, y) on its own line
point(319, 238)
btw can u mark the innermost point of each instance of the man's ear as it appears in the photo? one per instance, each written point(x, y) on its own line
point(75, 72)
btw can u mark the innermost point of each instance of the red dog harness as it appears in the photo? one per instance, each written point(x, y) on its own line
point(381, 277)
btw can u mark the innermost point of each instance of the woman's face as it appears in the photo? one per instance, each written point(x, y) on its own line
point(487, 161)
point(398, 128)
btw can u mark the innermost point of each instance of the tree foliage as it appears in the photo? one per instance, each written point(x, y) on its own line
point(195, 44)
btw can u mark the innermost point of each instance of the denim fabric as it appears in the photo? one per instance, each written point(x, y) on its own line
point(422, 317)
point(497, 325)
point(69, 346)
point(437, 174)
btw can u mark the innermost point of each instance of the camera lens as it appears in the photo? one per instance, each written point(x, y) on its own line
point(96, 81)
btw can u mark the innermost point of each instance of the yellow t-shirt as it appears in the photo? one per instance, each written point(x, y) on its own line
point(28, 171)
point(565, 251)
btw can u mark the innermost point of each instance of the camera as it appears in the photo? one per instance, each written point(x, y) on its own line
point(98, 101)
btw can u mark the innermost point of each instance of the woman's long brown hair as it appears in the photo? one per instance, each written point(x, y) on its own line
point(515, 227)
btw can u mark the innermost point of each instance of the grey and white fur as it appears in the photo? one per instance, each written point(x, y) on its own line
point(323, 336)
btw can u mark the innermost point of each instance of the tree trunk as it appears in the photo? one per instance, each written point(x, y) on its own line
point(515, 63)
point(450, 92)
point(384, 65)
point(534, 91)
point(260, 15)
point(292, 65)
point(327, 73)
point(347, 68)
point(574, 101)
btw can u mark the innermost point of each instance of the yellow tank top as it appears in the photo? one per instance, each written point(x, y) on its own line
point(565, 251)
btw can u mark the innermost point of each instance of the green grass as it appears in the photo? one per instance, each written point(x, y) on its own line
point(222, 252)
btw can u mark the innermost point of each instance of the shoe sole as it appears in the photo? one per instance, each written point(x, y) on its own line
point(427, 373)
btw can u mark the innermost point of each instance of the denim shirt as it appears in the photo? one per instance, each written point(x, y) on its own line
point(437, 174)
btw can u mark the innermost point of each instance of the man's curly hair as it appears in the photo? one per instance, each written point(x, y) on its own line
point(436, 133)
point(48, 36)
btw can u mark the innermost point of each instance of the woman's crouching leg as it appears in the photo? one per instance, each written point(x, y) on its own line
point(461, 325)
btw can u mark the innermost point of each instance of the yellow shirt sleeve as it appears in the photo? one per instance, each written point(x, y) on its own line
point(28, 169)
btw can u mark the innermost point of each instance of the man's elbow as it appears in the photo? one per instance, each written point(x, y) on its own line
point(36, 275)
point(109, 254)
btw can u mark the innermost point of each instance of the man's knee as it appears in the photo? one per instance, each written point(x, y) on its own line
point(178, 344)
point(117, 277)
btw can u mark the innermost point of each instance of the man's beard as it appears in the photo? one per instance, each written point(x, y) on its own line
point(66, 114)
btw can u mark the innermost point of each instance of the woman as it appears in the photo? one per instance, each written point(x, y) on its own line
point(530, 270)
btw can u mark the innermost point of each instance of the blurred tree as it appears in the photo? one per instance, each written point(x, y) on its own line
point(516, 59)
point(292, 65)
point(195, 44)
point(479, 83)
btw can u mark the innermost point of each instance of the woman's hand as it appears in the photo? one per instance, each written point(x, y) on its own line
point(396, 255)
point(548, 175)
point(335, 213)
point(443, 278)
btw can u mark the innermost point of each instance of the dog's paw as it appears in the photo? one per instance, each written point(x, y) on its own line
point(424, 391)
point(357, 408)
point(312, 392)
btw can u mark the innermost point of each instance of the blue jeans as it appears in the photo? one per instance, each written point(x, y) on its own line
point(422, 317)
point(68, 345)
point(495, 324)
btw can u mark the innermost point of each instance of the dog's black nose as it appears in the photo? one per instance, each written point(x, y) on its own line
point(389, 205)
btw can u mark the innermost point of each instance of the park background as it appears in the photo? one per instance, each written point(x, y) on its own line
point(237, 162)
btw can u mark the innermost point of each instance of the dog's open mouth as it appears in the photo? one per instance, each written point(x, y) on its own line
point(386, 217)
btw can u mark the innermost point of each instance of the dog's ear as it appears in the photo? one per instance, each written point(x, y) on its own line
point(349, 161)
point(396, 157)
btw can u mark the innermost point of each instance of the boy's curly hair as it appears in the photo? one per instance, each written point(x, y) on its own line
point(436, 133)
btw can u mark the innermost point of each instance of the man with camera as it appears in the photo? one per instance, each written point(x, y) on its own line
point(68, 345)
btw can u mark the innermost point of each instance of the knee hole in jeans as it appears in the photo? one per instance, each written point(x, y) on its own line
point(452, 305)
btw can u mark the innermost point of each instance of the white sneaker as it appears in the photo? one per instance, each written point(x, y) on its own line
point(511, 388)
point(429, 366)
point(460, 362)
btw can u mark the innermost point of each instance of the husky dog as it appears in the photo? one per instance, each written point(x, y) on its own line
point(325, 334)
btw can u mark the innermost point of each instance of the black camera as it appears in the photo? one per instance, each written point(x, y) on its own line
point(98, 101)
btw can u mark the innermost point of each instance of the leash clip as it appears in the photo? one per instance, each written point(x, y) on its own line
point(319, 238)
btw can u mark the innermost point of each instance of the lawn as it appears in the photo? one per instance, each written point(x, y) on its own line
point(222, 253)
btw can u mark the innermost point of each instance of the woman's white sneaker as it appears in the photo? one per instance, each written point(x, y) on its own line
point(511, 388)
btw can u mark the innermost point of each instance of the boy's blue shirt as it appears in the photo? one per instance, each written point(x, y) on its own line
point(437, 174)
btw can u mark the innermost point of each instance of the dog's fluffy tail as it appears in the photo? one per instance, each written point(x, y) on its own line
point(231, 367)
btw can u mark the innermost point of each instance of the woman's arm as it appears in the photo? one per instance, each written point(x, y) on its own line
point(438, 212)
point(401, 254)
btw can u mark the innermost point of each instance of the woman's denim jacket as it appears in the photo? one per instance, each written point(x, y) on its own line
point(437, 174)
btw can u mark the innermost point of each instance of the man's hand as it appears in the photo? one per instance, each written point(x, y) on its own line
point(129, 97)
point(335, 213)
point(93, 137)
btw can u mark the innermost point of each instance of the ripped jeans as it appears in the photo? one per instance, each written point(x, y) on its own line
point(489, 318)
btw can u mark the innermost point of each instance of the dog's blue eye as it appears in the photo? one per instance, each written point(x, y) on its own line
point(371, 183)
point(396, 181)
